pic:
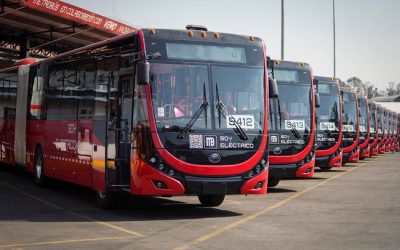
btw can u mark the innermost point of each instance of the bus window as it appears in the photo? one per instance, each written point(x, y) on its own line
point(87, 82)
point(63, 93)
point(85, 109)
point(8, 92)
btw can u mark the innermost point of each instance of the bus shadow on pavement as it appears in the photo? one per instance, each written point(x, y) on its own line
point(280, 190)
point(329, 171)
point(59, 200)
point(159, 208)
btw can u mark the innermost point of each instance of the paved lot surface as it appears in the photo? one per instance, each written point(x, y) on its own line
point(354, 207)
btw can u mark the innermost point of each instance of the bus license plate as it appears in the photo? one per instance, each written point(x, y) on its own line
point(297, 124)
point(327, 126)
point(348, 128)
point(245, 121)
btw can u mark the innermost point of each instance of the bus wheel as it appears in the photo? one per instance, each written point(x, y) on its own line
point(106, 200)
point(208, 200)
point(39, 168)
point(273, 182)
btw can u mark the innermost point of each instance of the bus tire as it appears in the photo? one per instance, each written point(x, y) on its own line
point(38, 170)
point(106, 200)
point(209, 200)
point(273, 182)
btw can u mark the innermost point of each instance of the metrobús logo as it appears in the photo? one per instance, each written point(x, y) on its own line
point(198, 141)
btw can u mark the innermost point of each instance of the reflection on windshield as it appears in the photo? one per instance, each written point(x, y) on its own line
point(364, 117)
point(350, 117)
point(241, 91)
point(291, 109)
point(177, 93)
point(328, 113)
point(182, 100)
point(372, 116)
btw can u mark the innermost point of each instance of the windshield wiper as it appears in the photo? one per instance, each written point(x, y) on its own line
point(283, 117)
point(295, 132)
point(195, 117)
point(221, 107)
point(328, 132)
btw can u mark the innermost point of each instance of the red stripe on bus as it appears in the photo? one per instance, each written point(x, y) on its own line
point(36, 106)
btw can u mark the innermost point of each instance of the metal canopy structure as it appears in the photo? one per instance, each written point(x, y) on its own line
point(43, 28)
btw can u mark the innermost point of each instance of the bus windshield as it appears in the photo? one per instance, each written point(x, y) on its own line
point(181, 95)
point(364, 116)
point(372, 121)
point(292, 110)
point(386, 128)
point(350, 117)
point(328, 112)
point(380, 121)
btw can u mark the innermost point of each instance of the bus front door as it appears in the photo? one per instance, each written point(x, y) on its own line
point(118, 131)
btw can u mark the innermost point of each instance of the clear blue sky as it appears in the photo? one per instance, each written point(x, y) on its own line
point(367, 31)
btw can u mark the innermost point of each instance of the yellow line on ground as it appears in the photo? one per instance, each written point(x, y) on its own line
point(64, 241)
point(219, 231)
point(232, 201)
point(50, 204)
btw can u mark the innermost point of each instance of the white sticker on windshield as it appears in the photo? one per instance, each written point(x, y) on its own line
point(327, 126)
point(297, 124)
point(372, 130)
point(348, 128)
point(362, 128)
point(245, 121)
point(161, 112)
point(379, 131)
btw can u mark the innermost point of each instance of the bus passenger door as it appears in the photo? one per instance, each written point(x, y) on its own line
point(118, 140)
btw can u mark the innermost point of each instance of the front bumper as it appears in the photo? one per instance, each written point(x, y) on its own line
point(374, 150)
point(146, 180)
point(329, 161)
point(365, 153)
point(281, 171)
point(352, 157)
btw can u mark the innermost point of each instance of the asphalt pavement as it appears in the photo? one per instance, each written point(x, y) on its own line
point(353, 207)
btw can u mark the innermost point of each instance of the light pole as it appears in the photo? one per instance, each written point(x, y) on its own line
point(282, 30)
point(334, 41)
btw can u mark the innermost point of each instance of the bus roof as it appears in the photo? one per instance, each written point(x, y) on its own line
point(291, 64)
point(326, 79)
point(200, 36)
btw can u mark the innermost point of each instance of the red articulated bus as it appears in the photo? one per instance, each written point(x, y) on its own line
point(373, 125)
point(363, 141)
point(351, 131)
point(329, 124)
point(381, 129)
point(154, 112)
point(291, 122)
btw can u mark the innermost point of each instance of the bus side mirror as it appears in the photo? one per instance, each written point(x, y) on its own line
point(342, 103)
point(359, 112)
point(143, 73)
point(317, 101)
point(315, 82)
point(273, 88)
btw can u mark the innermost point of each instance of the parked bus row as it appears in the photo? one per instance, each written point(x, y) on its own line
point(181, 112)
point(325, 129)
